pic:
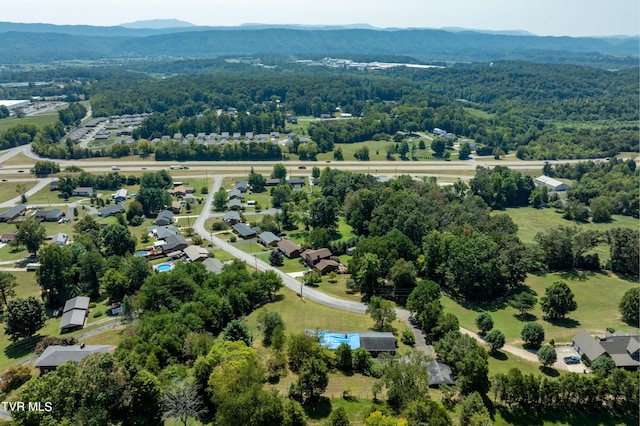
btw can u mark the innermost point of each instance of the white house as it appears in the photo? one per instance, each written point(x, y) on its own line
point(551, 183)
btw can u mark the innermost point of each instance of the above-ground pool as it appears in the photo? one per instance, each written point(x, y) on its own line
point(164, 267)
point(141, 254)
point(332, 340)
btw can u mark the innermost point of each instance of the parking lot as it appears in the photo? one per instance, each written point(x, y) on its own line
point(564, 351)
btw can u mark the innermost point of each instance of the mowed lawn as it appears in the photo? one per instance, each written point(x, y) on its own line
point(597, 296)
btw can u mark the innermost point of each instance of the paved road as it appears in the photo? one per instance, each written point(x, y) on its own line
point(37, 187)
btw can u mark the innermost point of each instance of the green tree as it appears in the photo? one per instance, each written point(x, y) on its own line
point(624, 250)
point(495, 339)
point(92, 266)
point(484, 322)
point(256, 181)
point(7, 285)
point(55, 274)
point(446, 323)
point(438, 146)
point(405, 378)
point(547, 355)
point(269, 321)
point(313, 378)
point(115, 284)
point(472, 405)
point(532, 334)
point(319, 238)
point(31, 234)
point(601, 209)
point(117, 240)
point(315, 172)
point(464, 151)
point(237, 330)
point(344, 360)
point(324, 213)
point(629, 306)
point(424, 304)
point(603, 365)
point(281, 194)
point(523, 302)
point(23, 317)
point(367, 276)
point(381, 312)
point(276, 258)
point(279, 172)
point(153, 199)
point(339, 417)
point(558, 301)
point(300, 347)
point(403, 276)
point(220, 200)
point(362, 361)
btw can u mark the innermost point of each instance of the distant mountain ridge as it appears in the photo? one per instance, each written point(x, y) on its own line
point(45, 42)
point(158, 24)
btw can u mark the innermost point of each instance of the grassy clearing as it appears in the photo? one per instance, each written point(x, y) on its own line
point(19, 160)
point(8, 190)
point(49, 117)
point(597, 296)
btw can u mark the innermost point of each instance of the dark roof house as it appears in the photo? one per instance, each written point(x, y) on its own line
point(327, 265)
point(55, 356)
point(378, 342)
point(268, 239)
point(311, 257)
point(242, 186)
point(165, 217)
point(439, 374)
point(289, 248)
point(236, 193)
point(235, 204)
point(232, 217)
point(82, 191)
point(623, 349)
point(74, 313)
point(244, 230)
point(13, 213)
point(162, 232)
point(174, 243)
point(53, 215)
point(111, 210)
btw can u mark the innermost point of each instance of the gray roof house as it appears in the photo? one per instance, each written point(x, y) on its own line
point(162, 232)
point(165, 217)
point(52, 215)
point(60, 239)
point(235, 204)
point(55, 355)
point(236, 193)
point(174, 243)
point(623, 349)
point(378, 342)
point(111, 210)
point(439, 374)
point(244, 230)
point(213, 265)
point(82, 191)
point(268, 239)
point(232, 217)
point(74, 313)
point(13, 213)
point(242, 186)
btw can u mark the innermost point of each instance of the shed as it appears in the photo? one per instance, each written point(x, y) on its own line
point(121, 195)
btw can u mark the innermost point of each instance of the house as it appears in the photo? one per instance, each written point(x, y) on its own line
point(82, 191)
point(213, 265)
point(8, 237)
point(623, 349)
point(378, 342)
point(162, 232)
point(111, 210)
point(196, 253)
point(272, 182)
point(242, 186)
point(55, 355)
point(232, 217)
point(235, 205)
point(236, 194)
point(289, 248)
point(53, 185)
point(74, 313)
point(244, 230)
point(13, 213)
point(552, 184)
point(312, 257)
point(121, 195)
point(165, 217)
point(174, 243)
point(268, 239)
point(176, 207)
point(439, 374)
point(53, 215)
point(297, 182)
point(60, 239)
point(327, 265)
point(181, 190)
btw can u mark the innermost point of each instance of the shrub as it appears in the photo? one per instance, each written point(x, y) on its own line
point(219, 226)
point(53, 340)
point(98, 314)
point(495, 339)
point(14, 377)
point(484, 322)
point(92, 305)
point(232, 239)
point(407, 337)
point(547, 355)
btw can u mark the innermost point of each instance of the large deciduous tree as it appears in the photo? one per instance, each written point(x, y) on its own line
point(24, 317)
point(624, 247)
point(220, 199)
point(533, 334)
point(424, 304)
point(117, 240)
point(31, 234)
point(55, 274)
point(382, 312)
point(547, 355)
point(324, 213)
point(7, 285)
point(558, 300)
point(630, 306)
point(313, 378)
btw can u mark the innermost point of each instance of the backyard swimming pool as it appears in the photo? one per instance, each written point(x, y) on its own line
point(164, 267)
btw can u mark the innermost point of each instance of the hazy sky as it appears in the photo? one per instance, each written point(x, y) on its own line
point(541, 17)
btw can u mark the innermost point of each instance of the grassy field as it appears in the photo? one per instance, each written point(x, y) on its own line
point(19, 160)
point(49, 117)
point(597, 296)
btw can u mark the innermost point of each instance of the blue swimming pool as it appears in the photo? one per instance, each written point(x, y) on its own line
point(164, 267)
point(141, 254)
point(332, 340)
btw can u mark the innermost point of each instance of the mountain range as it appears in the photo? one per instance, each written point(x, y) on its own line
point(40, 43)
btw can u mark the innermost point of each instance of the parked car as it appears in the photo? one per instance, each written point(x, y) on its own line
point(302, 167)
point(572, 359)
